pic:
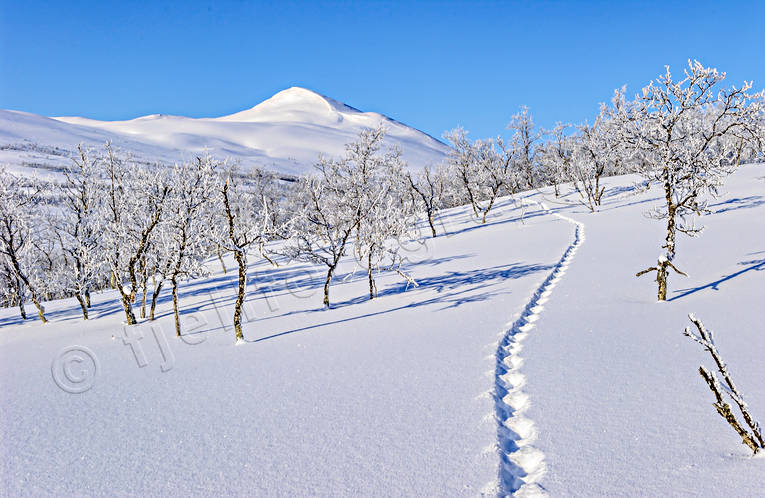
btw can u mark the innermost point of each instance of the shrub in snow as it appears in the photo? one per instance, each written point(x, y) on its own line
point(754, 439)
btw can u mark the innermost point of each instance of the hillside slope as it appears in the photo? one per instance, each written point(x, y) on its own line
point(285, 133)
point(528, 358)
point(616, 394)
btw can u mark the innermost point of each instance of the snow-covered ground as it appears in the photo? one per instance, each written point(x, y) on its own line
point(530, 356)
point(285, 133)
point(614, 386)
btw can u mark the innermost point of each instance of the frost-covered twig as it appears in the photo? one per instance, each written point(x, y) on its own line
point(725, 411)
point(705, 337)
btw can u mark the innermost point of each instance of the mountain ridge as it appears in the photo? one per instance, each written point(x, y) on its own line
point(285, 133)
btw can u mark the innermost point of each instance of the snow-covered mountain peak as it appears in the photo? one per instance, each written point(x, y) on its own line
point(294, 104)
point(284, 133)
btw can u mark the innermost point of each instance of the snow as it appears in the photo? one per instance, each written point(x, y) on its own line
point(396, 396)
point(616, 396)
point(285, 133)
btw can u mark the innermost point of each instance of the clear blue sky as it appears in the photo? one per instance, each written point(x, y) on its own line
point(432, 65)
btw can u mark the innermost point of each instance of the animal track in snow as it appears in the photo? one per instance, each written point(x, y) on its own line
point(521, 466)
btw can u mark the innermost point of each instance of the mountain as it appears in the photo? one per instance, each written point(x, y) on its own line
point(285, 133)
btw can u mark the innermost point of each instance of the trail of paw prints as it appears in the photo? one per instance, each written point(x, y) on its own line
point(521, 465)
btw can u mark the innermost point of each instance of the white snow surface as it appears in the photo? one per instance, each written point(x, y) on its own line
point(285, 133)
point(529, 359)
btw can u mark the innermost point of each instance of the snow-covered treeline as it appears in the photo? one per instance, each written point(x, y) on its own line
point(113, 222)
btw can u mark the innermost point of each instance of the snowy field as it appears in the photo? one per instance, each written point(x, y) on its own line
point(597, 389)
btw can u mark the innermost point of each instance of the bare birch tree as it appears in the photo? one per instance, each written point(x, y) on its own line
point(78, 227)
point(485, 168)
point(135, 200)
point(18, 208)
point(555, 157)
point(192, 192)
point(681, 129)
point(427, 191)
point(525, 141)
point(244, 216)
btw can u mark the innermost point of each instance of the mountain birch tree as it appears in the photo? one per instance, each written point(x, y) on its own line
point(336, 202)
point(555, 157)
point(361, 198)
point(524, 141)
point(12, 290)
point(427, 190)
point(382, 234)
point(332, 210)
point(484, 168)
point(387, 214)
point(18, 228)
point(135, 200)
point(193, 190)
point(162, 261)
point(78, 226)
point(322, 229)
point(597, 152)
point(244, 216)
point(687, 131)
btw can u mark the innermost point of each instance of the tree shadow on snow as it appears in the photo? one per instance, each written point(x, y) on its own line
point(738, 203)
point(452, 289)
point(756, 265)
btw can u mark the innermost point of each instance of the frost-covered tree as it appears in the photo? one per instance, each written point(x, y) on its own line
point(78, 227)
point(244, 219)
point(597, 152)
point(193, 190)
point(12, 291)
point(525, 143)
point(387, 214)
point(135, 199)
point(322, 229)
point(381, 237)
point(555, 157)
point(428, 191)
point(19, 229)
point(687, 134)
point(485, 169)
point(162, 254)
point(343, 200)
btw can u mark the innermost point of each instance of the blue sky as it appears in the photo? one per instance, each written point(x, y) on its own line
point(432, 65)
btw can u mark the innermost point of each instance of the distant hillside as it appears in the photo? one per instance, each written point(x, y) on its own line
point(285, 133)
